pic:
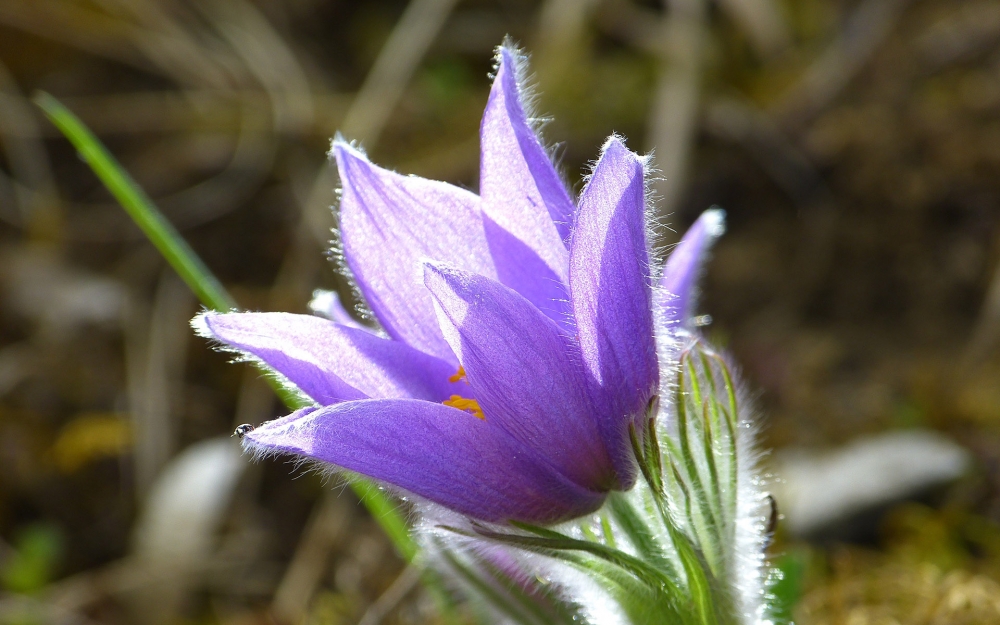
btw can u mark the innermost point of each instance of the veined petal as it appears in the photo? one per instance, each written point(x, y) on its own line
point(678, 284)
point(436, 452)
point(611, 292)
point(388, 224)
point(521, 372)
point(522, 195)
point(329, 362)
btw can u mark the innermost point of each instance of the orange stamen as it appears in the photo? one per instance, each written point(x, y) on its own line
point(459, 375)
point(466, 404)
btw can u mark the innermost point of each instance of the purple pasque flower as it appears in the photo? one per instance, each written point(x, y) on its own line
point(519, 332)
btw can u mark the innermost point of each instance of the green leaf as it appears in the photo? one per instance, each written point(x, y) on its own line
point(609, 534)
point(540, 600)
point(640, 534)
point(698, 584)
point(551, 543)
point(698, 429)
point(643, 604)
point(651, 445)
point(492, 595)
point(708, 527)
point(649, 465)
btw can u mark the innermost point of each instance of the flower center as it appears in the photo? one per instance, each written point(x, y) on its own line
point(459, 375)
point(468, 405)
point(463, 403)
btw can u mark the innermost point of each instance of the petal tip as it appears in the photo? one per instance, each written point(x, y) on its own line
point(340, 148)
point(510, 82)
point(614, 147)
point(253, 449)
point(507, 56)
point(714, 220)
point(281, 435)
point(201, 324)
point(434, 268)
point(260, 450)
point(438, 273)
point(344, 151)
point(614, 142)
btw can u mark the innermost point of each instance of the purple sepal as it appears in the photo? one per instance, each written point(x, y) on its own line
point(445, 455)
point(523, 196)
point(679, 283)
point(388, 225)
point(612, 296)
point(329, 362)
point(522, 372)
point(327, 304)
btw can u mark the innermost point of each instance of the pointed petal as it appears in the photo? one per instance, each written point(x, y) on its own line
point(679, 282)
point(327, 304)
point(518, 364)
point(329, 362)
point(440, 453)
point(522, 194)
point(388, 224)
point(610, 287)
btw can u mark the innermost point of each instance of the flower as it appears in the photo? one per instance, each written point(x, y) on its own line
point(520, 340)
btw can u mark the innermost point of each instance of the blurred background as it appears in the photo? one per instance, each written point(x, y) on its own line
point(855, 145)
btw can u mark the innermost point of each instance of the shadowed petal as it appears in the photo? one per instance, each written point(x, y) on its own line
point(329, 362)
point(519, 367)
point(610, 288)
point(522, 195)
point(388, 224)
point(436, 452)
point(519, 268)
point(678, 284)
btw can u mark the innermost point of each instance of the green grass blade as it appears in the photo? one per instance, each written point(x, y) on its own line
point(138, 205)
point(386, 512)
point(199, 278)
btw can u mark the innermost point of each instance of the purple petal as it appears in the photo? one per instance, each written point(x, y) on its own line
point(440, 453)
point(519, 367)
point(327, 304)
point(522, 195)
point(329, 362)
point(390, 223)
point(611, 295)
point(678, 285)
point(521, 269)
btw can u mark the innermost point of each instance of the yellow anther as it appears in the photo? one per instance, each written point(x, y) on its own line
point(459, 375)
point(466, 404)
